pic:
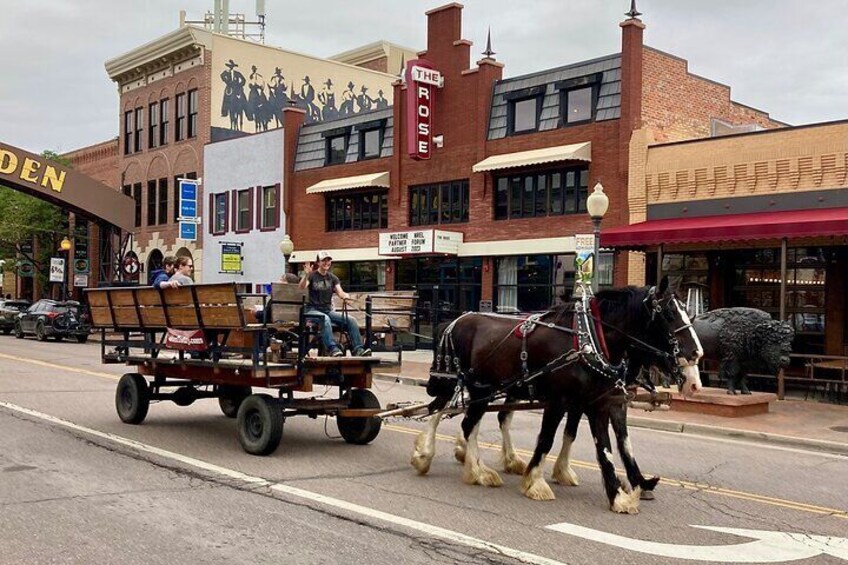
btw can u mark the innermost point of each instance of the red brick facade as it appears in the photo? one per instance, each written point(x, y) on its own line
point(679, 105)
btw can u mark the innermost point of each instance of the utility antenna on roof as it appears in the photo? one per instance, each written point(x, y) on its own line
point(633, 13)
point(220, 20)
point(488, 52)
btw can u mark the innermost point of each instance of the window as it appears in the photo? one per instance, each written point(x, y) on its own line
point(136, 189)
point(523, 115)
point(151, 202)
point(361, 276)
point(243, 210)
point(336, 149)
point(548, 193)
point(180, 129)
point(579, 105)
point(139, 129)
point(128, 131)
point(443, 203)
point(370, 142)
point(163, 201)
point(532, 283)
point(219, 207)
point(153, 131)
point(270, 216)
point(165, 116)
point(364, 211)
point(192, 113)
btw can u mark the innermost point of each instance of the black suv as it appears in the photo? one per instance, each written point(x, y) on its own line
point(9, 310)
point(48, 318)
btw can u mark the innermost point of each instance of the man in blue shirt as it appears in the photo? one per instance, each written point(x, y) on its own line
point(162, 276)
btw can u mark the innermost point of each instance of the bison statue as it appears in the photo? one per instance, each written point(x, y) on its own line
point(742, 341)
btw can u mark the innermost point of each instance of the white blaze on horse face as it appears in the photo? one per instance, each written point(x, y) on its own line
point(699, 350)
point(690, 370)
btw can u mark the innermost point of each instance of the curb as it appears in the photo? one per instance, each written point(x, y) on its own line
point(688, 428)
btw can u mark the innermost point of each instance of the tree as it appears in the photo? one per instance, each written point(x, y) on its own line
point(25, 218)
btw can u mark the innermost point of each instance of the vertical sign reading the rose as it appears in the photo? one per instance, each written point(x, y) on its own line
point(421, 82)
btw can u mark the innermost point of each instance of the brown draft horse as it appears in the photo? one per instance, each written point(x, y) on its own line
point(647, 324)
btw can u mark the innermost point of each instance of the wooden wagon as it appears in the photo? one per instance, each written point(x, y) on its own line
point(204, 341)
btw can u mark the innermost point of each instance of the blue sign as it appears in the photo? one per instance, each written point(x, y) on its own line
point(188, 231)
point(188, 208)
point(188, 190)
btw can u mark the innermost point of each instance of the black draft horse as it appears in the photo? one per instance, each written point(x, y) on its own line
point(490, 358)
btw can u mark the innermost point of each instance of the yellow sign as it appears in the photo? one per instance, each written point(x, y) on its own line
point(30, 170)
point(231, 258)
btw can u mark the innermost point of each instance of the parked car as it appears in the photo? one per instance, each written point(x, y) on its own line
point(9, 310)
point(49, 318)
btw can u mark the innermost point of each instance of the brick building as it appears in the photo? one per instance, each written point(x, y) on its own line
point(505, 184)
point(192, 87)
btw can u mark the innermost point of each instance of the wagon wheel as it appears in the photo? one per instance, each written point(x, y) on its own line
point(231, 398)
point(40, 333)
point(132, 398)
point(360, 431)
point(260, 424)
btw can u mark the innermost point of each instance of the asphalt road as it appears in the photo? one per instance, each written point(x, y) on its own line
point(79, 486)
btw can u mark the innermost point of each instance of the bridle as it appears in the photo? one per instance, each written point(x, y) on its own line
point(655, 306)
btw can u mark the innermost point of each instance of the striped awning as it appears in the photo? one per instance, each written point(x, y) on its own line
point(347, 183)
point(573, 152)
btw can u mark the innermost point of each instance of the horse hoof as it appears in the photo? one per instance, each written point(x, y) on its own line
point(567, 477)
point(490, 478)
point(421, 464)
point(626, 503)
point(537, 490)
point(647, 495)
point(515, 466)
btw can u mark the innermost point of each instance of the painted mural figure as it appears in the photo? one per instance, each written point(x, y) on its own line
point(328, 99)
point(348, 97)
point(364, 101)
point(233, 103)
point(380, 102)
point(277, 96)
point(307, 97)
point(257, 102)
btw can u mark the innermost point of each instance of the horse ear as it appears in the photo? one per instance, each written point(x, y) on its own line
point(663, 286)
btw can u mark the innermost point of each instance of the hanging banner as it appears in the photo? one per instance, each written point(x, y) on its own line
point(57, 269)
point(584, 261)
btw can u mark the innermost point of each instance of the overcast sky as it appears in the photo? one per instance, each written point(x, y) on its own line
point(786, 57)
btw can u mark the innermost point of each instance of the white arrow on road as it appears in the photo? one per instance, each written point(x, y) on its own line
point(769, 547)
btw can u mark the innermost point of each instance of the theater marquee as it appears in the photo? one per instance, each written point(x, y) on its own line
point(420, 242)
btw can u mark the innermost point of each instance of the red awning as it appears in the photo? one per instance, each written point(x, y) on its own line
point(733, 227)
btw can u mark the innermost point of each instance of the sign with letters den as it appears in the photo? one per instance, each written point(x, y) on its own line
point(419, 242)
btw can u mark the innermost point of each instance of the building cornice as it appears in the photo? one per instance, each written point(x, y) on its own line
point(174, 46)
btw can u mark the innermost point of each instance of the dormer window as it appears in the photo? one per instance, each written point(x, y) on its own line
point(336, 149)
point(370, 141)
point(524, 109)
point(579, 99)
point(578, 105)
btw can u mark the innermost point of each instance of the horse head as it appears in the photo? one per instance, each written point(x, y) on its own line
point(670, 323)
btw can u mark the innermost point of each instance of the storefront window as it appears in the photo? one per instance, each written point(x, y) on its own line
point(361, 276)
point(531, 283)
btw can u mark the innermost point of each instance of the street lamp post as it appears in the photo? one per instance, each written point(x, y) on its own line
point(597, 204)
point(65, 247)
point(286, 248)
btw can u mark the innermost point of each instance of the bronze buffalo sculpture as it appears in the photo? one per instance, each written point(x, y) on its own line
point(743, 341)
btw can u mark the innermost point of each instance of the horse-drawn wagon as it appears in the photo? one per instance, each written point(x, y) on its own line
point(204, 341)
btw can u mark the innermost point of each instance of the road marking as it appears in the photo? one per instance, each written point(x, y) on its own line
point(689, 485)
point(769, 547)
point(751, 497)
point(427, 529)
point(56, 366)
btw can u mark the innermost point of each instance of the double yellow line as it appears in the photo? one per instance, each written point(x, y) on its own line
point(688, 485)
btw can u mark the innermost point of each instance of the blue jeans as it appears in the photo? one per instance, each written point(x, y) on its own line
point(327, 328)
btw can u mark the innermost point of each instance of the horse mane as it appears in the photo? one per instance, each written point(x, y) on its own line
point(626, 300)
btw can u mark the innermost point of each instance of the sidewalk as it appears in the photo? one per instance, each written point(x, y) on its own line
point(806, 424)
